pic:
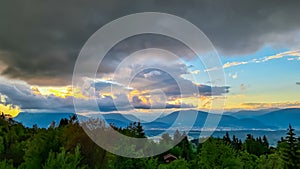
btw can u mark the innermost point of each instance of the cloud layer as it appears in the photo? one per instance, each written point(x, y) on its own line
point(39, 41)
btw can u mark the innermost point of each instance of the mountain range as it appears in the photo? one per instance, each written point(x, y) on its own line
point(275, 119)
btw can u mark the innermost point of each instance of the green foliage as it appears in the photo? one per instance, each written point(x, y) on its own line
point(272, 161)
point(166, 139)
point(64, 160)
point(6, 165)
point(290, 150)
point(180, 163)
point(177, 136)
point(58, 147)
point(216, 153)
point(248, 161)
point(256, 146)
point(39, 146)
point(129, 163)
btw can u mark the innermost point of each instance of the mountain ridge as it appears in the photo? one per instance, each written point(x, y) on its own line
point(278, 119)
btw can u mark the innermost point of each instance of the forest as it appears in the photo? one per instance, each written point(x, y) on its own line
point(67, 146)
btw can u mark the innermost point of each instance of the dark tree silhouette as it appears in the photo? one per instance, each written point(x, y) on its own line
point(289, 152)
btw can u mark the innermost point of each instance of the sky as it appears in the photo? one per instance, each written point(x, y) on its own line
point(258, 44)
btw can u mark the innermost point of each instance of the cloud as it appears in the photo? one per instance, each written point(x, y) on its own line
point(25, 97)
point(271, 105)
point(195, 72)
point(295, 53)
point(292, 53)
point(152, 74)
point(233, 76)
point(9, 109)
point(243, 87)
point(167, 106)
point(2, 66)
point(38, 44)
point(230, 64)
point(212, 69)
point(171, 85)
point(20, 94)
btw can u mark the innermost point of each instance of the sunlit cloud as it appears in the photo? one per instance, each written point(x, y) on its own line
point(293, 53)
point(35, 90)
point(230, 64)
point(271, 105)
point(62, 92)
point(9, 110)
point(195, 72)
point(233, 76)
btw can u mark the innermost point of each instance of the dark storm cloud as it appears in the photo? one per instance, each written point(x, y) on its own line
point(41, 39)
point(138, 42)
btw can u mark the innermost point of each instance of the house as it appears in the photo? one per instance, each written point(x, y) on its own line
point(169, 158)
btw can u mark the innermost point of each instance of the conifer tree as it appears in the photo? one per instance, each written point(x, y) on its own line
point(226, 138)
point(265, 141)
point(289, 151)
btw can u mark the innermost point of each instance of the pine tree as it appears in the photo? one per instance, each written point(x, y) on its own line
point(140, 131)
point(226, 138)
point(166, 138)
point(265, 144)
point(289, 152)
point(177, 137)
point(265, 141)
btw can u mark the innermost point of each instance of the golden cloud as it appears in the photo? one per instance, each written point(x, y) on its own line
point(9, 110)
point(62, 92)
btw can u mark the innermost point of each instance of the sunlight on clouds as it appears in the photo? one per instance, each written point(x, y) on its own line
point(135, 93)
point(195, 72)
point(235, 102)
point(271, 105)
point(10, 110)
point(35, 90)
point(62, 92)
point(177, 101)
point(204, 102)
point(252, 102)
